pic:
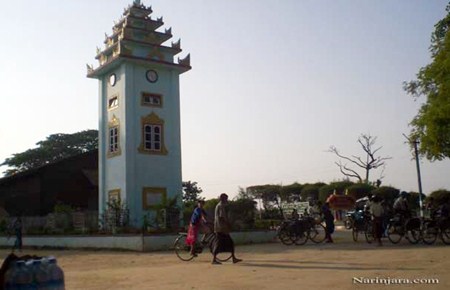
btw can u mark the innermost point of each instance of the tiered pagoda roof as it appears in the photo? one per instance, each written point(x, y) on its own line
point(135, 38)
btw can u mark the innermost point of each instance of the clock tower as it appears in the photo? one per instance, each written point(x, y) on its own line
point(139, 114)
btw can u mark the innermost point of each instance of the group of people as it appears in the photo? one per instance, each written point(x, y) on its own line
point(222, 241)
point(379, 212)
point(380, 215)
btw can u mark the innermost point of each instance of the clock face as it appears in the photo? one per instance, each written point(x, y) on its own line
point(112, 80)
point(152, 76)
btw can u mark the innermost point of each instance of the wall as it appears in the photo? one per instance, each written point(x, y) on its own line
point(127, 242)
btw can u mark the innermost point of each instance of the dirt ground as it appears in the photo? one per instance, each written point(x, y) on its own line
point(265, 266)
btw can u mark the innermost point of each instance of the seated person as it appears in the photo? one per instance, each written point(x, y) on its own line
point(294, 214)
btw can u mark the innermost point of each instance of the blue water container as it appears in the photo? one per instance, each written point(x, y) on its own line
point(56, 275)
point(23, 278)
point(10, 277)
point(41, 277)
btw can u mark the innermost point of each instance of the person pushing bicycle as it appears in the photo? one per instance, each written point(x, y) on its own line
point(197, 219)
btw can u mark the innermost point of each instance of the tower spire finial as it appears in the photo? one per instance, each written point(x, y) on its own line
point(137, 2)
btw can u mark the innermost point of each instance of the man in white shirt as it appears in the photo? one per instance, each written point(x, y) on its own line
point(222, 228)
point(377, 212)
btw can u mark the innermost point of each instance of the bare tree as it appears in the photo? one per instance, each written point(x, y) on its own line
point(347, 164)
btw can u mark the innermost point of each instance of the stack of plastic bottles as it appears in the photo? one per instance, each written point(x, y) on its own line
point(35, 274)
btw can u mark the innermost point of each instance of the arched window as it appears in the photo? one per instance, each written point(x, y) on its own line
point(152, 135)
point(113, 138)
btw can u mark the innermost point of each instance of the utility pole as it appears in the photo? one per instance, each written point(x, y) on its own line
point(416, 154)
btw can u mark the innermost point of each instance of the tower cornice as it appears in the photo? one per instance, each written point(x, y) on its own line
point(135, 37)
point(150, 23)
point(173, 50)
point(181, 67)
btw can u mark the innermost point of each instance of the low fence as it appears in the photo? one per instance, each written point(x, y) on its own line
point(80, 222)
point(88, 222)
point(127, 242)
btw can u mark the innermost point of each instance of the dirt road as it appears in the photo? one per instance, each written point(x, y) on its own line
point(265, 266)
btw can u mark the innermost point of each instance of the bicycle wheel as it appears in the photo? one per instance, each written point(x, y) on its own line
point(413, 236)
point(182, 250)
point(317, 233)
point(445, 235)
point(223, 257)
point(368, 232)
point(301, 238)
point(348, 223)
point(413, 231)
point(430, 232)
point(355, 234)
point(285, 237)
point(394, 233)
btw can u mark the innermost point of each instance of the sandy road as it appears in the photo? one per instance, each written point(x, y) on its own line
point(265, 266)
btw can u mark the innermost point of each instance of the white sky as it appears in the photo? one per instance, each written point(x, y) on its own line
point(274, 82)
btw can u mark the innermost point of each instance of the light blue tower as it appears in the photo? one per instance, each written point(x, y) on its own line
point(139, 118)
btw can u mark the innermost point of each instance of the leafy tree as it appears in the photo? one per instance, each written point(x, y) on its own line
point(367, 163)
point(267, 193)
point(360, 190)
point(414, 201)
point(210, 204)
point(291, 191)
point(310, 191)
point(243, 194)
point(431, 125)
point(341, 186)
point(54, 148)
point(440, 196)
point(325, 191)
point(242, 213)
point(388, 193)
point(191, 191)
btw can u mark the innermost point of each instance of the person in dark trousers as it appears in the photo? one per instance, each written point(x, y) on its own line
point(17, 227)
point(377, 213)
point(329, 222)
point(222, 241)
point(294, 214)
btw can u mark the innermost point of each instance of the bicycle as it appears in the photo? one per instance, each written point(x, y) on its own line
point(315, 229)
point(434, 228)
point(349, 219)
point(285, 231)
point(183, 251)
point(299, 231)
point(399, 228)
point(362, 223)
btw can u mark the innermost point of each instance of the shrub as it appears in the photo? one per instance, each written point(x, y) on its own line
point(242, 213)
point(324, 192)
point(414, 201)
point(266, 224)
point(310, 191)
point(291, 191)
point(116, 215)
point(440, 196)
point(341, 186)
point(360, 190)
point(388, 193)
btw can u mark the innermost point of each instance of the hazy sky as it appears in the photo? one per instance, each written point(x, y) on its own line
point(274, 82)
